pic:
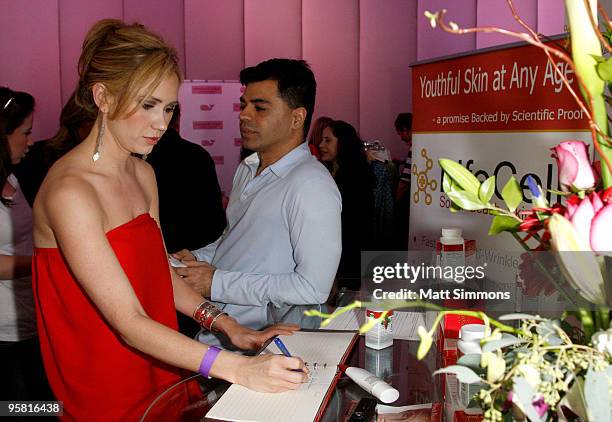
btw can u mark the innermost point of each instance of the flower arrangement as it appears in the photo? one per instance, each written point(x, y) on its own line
point(546, 369)
point(544, 365)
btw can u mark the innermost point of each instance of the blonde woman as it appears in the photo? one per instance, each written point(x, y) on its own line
point(104, 292)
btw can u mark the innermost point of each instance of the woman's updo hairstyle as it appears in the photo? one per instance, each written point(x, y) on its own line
point(125, 59)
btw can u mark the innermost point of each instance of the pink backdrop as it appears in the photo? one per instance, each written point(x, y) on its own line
point(360, 49)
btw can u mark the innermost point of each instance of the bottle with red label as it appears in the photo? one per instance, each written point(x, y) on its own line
point(381, 335)
point(451, 251)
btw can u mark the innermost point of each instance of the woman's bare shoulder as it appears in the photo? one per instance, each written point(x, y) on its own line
point(144, 173)
point(68, 182)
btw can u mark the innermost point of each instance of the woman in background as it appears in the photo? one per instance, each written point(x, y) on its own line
point(75, 124)
point(23, 376)
point(316, 135)
point(343, 153)
point(105, 295)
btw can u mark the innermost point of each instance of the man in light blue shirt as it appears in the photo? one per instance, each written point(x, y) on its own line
point(282, 243)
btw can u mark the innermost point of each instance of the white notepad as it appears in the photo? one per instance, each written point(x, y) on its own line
point(323, 351)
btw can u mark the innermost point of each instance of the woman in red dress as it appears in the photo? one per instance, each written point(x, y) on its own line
point(104, 291)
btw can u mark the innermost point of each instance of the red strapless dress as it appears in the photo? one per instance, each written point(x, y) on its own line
point(90, 369)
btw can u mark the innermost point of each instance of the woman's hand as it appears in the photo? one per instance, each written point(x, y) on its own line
point(271, 373)
point(247, 339)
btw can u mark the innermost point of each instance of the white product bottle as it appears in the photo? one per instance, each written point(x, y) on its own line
point(381, 335)
point(452, 250)
point(469, 343)
point(379, 362)
point(373, 385)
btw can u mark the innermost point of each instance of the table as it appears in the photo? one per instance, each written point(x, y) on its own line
point(191, 399)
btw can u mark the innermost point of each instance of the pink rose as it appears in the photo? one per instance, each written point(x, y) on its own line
point(575, 171)
point(592, 219)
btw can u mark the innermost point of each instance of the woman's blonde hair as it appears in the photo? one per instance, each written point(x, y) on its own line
point(125, 59)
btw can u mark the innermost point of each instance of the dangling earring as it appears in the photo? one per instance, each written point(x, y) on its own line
point(98, 149)
point(144, 156)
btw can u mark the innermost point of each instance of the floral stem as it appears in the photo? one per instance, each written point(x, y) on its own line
point(586, 318)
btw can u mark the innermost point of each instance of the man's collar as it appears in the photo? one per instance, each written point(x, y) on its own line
point(281, 167)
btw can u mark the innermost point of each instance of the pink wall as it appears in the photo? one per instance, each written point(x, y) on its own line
point(75, 19)
point(382, 97)
point(30, 57)
point(214, 38)
point(360, 50)
point(497, 13)
point(162, 16)
point(551, 19)
point(331, 46)
point(545, 16)
point(432, 42)
point(285, 16)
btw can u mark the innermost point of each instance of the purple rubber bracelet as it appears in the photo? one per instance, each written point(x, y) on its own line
point(208, 360)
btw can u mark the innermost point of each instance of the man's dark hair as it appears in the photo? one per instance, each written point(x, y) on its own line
point(403, 121)
point(296, 83)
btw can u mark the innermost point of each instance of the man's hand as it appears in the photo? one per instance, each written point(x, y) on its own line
point(184, 255)
point(198, 275)
point(247, 339)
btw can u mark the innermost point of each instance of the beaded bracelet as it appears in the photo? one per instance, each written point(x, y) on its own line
point(206, 314)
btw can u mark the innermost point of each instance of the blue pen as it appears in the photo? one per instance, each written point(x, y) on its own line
point(281, 346)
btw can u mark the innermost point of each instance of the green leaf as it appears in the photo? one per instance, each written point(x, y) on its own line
point(512, 194)
point(463, 373)
point(447, 183)
point(547, 330)
point(604, 68)
point(505, 341)
point(460, 175)
point(503, 223)
point(574, 399)
point(597, 394)
point(472, 361)
point(466, 200)
point(487, 189)
point(520, 316)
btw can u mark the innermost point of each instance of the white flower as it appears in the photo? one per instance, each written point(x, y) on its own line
point(602, 341)
point(495, 364)
point(530, 373)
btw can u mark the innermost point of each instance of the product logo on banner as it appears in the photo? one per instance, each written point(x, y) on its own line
point(498, 113)
point(207, 142)
point(208, 124)
point(422, 180)
point(237, 142)
point(207, 89)
point(236, 107)
point(207, 107)
point(219, 159)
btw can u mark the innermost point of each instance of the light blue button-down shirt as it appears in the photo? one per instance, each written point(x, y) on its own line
point(283, 241)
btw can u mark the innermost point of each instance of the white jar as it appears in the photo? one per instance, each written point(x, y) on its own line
point(469, 343)
point(381, 335)
point(469, 338)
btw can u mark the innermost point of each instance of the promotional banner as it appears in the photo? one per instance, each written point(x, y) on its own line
point(209, 117)
point(498, 113)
